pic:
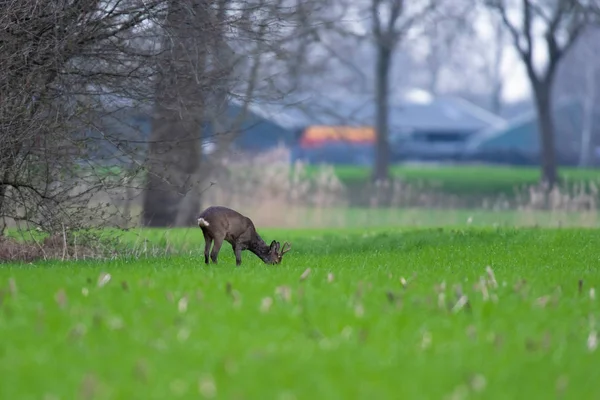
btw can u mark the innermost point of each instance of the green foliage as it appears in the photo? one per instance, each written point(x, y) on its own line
point(171, 327)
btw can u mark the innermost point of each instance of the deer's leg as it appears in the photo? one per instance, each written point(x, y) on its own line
point(207, 243)
point(238, 254)
point(216, 248)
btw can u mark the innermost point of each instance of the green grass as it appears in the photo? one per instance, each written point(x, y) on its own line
point(458, 179)
point(361, 335)
point(461, 179)
point(355, 217)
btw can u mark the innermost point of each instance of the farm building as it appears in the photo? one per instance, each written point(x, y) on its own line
point(335, 144)
point(517, 141)
point(133, 126)
point(437, 129)
point(254, 134)
point(421, 128)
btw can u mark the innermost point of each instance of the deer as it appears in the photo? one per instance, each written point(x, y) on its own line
point(220, 223)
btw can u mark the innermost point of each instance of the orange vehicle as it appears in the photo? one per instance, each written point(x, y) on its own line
point(350, 145)
point(319, 135)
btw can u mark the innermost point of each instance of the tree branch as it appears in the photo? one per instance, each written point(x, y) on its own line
point(525, 50)
point(565, 9)
point(527, 16)
point(397, 8)
point(376, 19)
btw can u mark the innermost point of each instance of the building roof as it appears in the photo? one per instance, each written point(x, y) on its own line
point(522, 132)
point(254, 131)
point(442, 114)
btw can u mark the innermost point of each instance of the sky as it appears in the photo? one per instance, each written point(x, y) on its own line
point(516, 82)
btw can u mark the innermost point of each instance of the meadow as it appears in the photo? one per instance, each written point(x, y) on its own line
point(464, 179)
point(419, 313)
point(461, 180)
point(278, 194)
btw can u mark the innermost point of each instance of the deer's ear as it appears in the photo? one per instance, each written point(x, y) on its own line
point(273, 244)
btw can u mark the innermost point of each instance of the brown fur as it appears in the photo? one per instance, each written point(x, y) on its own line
point(220, 224)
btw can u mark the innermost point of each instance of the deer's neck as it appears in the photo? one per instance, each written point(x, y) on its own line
point(260, 248)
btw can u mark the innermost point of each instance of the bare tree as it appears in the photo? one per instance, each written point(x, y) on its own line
point(392, 19)
point(59, 66)
point(455, 57)
point(73, 75)
point(590, 109)
point(578, 78)
point(449, 45)
point(493, 64)
point(562, 22)
point(173, 154)
point(230, 40)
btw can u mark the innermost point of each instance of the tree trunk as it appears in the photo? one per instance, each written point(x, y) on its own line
point(434, 79)
point(497, 98)
point(173, 153)
point(189, 206)
point(546, 132)
point(2, 218)
point(588, 117)
point(496, 103)
point(8, 163)
point(216, 112)
point(382, 153)
point(497, 78)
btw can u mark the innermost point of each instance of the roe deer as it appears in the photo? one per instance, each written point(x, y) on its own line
point(222, 223)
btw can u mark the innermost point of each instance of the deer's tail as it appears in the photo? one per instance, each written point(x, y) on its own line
point(202, 222)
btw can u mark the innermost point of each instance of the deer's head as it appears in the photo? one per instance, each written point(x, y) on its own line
point(276, 252)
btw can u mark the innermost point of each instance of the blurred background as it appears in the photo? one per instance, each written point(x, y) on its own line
point(328, 113)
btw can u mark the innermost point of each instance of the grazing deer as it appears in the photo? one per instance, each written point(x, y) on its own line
point(222, 223)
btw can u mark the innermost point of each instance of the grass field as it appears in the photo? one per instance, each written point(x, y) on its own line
point(355, 217)
point(378, 314)
point(456, 179)
point(464, 179)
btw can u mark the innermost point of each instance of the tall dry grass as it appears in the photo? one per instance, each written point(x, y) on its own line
point(276, 193)
point(270, 188)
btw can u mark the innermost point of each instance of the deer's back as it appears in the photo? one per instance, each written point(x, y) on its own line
point(231, 222)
